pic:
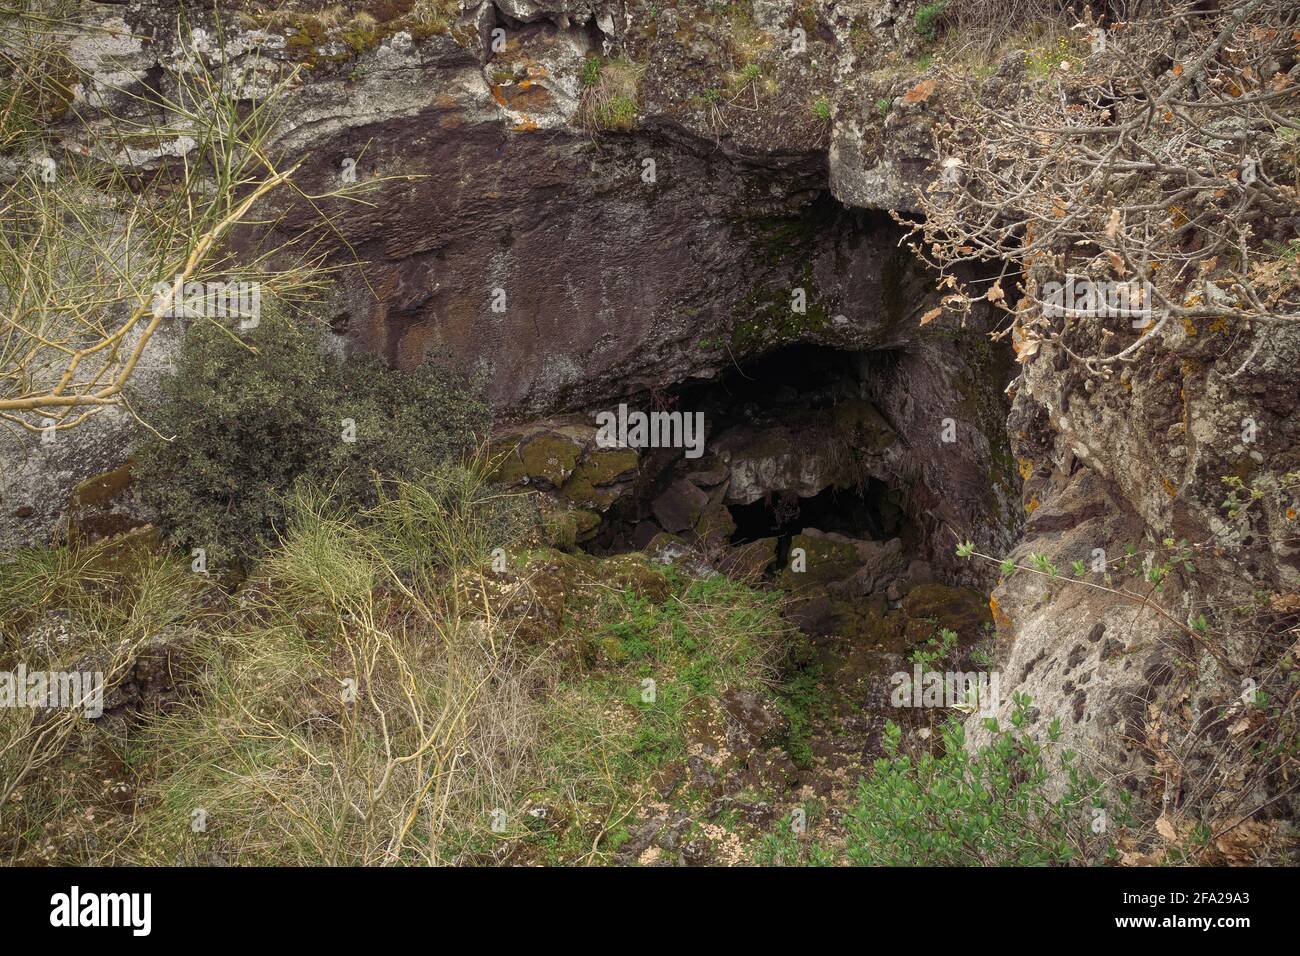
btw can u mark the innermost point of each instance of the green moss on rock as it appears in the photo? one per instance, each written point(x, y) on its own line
point(550, 458)
point(963, 610)
point(587, 485)
point(827, 560)
point(607, 465)
point(102, 490)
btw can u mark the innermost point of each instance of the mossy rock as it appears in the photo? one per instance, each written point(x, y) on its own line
point(631, 573)
point(564, 527)
point(873, 626)
point(588, 496)
point(126, 552)
point(716, 523)
point(764, 319)
point(547, 580)
point(612, 650)
point(559, 527)
point(547, 597)
point(91, 516)
point(669, 546)
point(550, 458)
point(587, 486)
point(963, 610)
point(102, 490)
point(749, 560)
point(585, 522)
point(605, 466)
point(509, 467)
point(827, 560)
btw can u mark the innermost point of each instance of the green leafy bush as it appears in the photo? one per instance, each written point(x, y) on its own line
point(618, 112)
point(927, 19)
point(609, 97)
point(253, 418)
point(989, 808)
point(784, 846)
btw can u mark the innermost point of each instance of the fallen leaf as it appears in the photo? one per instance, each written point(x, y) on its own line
point(931, 316)
point(1025, 345)
point(1285, 603)
point(919, 93)
point(1243, 844)
point(1165, 827)
point(1112, 224)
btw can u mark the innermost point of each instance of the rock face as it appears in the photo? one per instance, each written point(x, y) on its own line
point(576, 269)
point(880, 151)
point(1151, 468)
point(805, 452)
point(1169, 432)
point(572, 266)
point(553, 266)
point(1129, 475)
point(736, 210)
point(1084, 657)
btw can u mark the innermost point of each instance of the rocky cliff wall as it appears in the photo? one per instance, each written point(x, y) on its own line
point(582, 258)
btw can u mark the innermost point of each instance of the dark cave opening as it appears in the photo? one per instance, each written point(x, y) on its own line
point(793, 443)
point(874, 512)
point(793, 377)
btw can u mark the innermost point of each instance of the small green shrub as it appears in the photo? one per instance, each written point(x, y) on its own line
point(609, 98)
point(251, 420)
point(619, 112)
point(784, 846)
point(927, 19)
point(802, 700)
point(822, 108)
point(936, 650)
point(958, 808)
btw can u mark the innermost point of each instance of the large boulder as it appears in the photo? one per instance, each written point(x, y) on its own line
point(1086, 656)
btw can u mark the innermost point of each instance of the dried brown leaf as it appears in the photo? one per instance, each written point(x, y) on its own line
point(919, 93)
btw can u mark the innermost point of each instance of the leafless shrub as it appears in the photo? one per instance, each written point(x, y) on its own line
point(1159, 163)
point(101, 240)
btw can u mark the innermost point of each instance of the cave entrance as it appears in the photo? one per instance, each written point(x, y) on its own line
point(786, 379)
point(793, 444)
point(874, 512)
